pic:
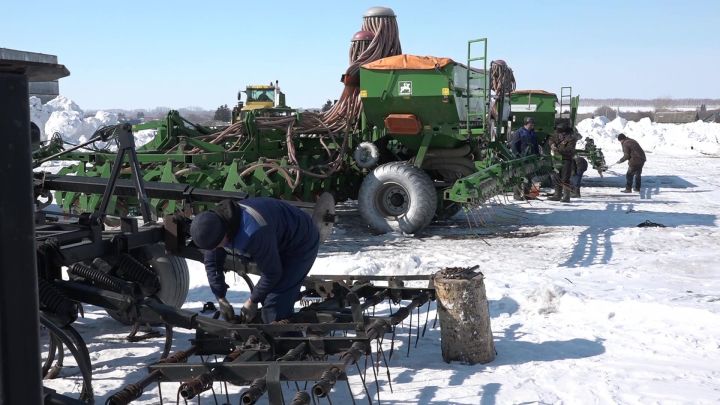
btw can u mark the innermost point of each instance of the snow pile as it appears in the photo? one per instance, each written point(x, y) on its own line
point(68, 119)
point(144, 136)
point(64, 116)
point(692, 138)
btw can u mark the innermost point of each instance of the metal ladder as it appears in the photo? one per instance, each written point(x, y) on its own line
point(565, 101)
point(483, 91)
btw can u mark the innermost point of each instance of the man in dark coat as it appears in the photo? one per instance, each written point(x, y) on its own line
point(563, 143)
point(635, 156)
point(524, 142)
point(280, 238)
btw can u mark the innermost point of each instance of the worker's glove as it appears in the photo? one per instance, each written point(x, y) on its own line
point(249, 311)
point(226, 310)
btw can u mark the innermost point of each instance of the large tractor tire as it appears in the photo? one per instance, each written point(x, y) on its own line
point(174, 277)
point(397, 196)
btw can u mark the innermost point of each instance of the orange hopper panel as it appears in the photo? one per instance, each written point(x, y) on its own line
point(403, 124)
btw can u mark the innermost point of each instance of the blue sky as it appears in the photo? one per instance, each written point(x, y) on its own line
point(136, 54)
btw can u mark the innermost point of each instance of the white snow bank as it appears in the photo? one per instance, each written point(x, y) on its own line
point(64, 116)
point(692, 138)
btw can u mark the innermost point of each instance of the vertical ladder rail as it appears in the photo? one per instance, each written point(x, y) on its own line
point(565, 101)
point(485, 92)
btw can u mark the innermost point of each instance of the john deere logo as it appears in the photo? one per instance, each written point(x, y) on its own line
point(405, 88)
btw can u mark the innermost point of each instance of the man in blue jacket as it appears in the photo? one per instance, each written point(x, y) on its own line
point(524, 142)
point(279, 237)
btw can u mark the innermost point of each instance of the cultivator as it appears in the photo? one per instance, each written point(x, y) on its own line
point(318, 346)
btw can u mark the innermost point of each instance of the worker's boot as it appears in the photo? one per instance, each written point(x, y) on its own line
point(566, 194)
point(557, 196)
point(627, 190)
point(575, 193)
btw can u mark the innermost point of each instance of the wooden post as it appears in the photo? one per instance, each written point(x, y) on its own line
point(464, 315)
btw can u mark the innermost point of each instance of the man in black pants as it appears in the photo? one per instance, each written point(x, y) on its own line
point(635, 156)
point(563, 143)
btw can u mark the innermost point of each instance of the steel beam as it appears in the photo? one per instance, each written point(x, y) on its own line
point(20, 381)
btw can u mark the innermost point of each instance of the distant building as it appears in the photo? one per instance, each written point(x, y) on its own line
point(46, 91)
point(675, 117)
point(709, 116)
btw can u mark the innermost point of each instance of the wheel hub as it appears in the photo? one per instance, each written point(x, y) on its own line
point(393, 200)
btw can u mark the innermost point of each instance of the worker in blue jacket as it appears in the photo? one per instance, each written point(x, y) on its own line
point(279, 237)
point(524, 141)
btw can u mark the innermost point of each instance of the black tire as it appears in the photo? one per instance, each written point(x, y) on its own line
point(397, 196)
point(174, 277)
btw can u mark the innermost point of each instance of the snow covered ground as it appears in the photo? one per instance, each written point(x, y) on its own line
point(690, 139)
point(589, 109)
point(586, 307)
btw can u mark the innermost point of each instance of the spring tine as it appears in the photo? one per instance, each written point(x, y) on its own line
point(367, 393)
point(160, 392)
point(329, 400)
point(377, 384)
point(427, 317)
point(409, 336)
point(365, 368)
point(436, 318)
point(377, 356)
point(417, 338)
point(387, 370)
point(392, 342)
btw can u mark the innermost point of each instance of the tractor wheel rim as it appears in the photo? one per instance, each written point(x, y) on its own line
point(393, 200)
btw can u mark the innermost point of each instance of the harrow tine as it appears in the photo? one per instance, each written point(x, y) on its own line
point(417, 338)
point(377, 384)
point(365, 368)
point(392, 342)
point(227, 394)
point(160, 392)
point(367, 393)
point(427, 317)
point(409, 336)
point(387, 368)
point(436, 318)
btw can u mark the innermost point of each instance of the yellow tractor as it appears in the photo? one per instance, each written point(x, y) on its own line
point(258, 97)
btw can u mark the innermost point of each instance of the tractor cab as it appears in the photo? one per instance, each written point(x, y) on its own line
point(260, 97)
